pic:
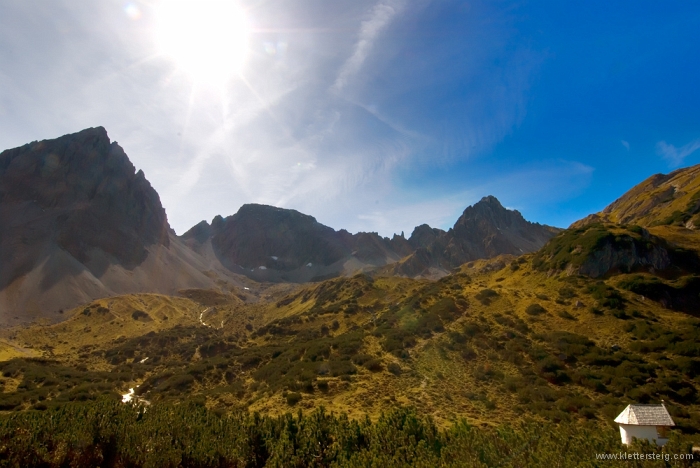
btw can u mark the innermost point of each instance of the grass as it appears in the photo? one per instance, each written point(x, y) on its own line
point(479, 344)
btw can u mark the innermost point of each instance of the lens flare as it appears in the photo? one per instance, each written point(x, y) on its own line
point(208, 39)
point(132, 11)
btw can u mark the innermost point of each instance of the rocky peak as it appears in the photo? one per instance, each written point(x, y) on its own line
point(82, 193)
point(424, 235)
point(488, 212)
point(271, 237)
point(270, 243)
point(200, 232)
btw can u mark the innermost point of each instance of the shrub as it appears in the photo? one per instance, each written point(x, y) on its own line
point(565, 315)
point(373, 365)
point(486, 295)
point(394, 368)
point(566, 293)
point(293, 398)
point(535, 309)
point(141, 315)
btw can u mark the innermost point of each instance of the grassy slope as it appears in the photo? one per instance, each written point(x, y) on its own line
point(471, 345)
point(491, 342)
point(672, 199)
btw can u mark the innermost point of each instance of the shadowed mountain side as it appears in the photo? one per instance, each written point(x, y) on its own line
point(79, 223)
point(485, 230)
point(275, 244)
point(61, 282)
point(268, 243)
point(78, 192)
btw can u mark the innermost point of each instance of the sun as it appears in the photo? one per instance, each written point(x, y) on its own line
point(207, 39)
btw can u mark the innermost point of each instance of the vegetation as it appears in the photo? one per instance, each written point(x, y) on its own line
point(691, 212)
point(576, 246)
point(681, 294)
point(534, 344)
point(107, 433)
point(625, 248)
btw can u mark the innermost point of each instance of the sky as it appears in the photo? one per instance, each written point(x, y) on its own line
point(370, 115)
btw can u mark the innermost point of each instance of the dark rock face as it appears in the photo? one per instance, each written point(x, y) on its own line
point(614, 257)
point(199, 233)
point(424, 236)
point(264, 239)
point(485, 230)
point(276, 244)
point(81, 193)
point(257, 233)
point(599, 250)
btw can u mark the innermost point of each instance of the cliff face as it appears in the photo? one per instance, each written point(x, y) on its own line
point(79, 222)
point(82, 193)
point(484, 230)
point(260, 235)
point(275, 244)
point(599, 250)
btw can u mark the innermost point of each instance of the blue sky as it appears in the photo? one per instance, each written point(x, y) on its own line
point(371, 115)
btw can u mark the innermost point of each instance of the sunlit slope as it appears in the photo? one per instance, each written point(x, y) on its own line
point(502, 337)
point(10, 351)
point(661, 200)
point(109, 320)
point(494, 341)
point(603, 315)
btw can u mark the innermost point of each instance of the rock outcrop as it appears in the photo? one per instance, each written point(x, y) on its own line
point(82, 193)
point(79, 222)
point(484, 230)
point(276, 244)
point(599, 250)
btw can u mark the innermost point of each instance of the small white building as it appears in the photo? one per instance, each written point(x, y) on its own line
point(644, 422)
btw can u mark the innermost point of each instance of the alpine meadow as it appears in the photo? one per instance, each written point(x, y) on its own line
point(381, 233)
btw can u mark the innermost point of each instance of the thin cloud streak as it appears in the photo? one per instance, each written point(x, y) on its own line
point(381, 16)
point(675, 156)
point(324, 126)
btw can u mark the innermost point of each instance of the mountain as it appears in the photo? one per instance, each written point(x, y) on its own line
point(648, 237)
point(79, 222)
point(484, 230)
point(602, 315)
point(661, 200)
point(268, 243)
point(651, 229)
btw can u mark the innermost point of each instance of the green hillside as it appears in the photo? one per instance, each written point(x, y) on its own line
point(604, 315)
point(495, 341)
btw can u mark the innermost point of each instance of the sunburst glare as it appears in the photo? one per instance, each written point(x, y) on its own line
point(207, 39)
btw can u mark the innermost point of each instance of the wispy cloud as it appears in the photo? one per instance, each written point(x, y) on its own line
point(626, 144)
point(675, 156)
point(327, 124)
point(380, 17)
